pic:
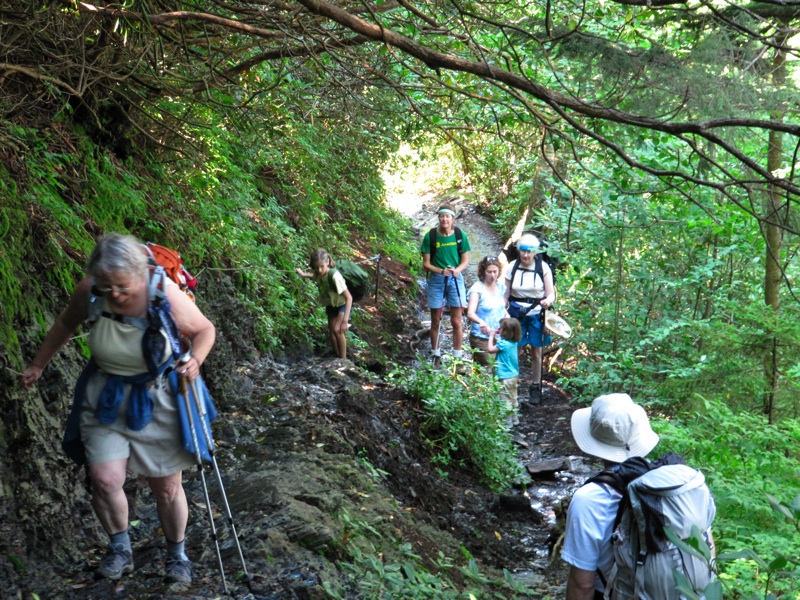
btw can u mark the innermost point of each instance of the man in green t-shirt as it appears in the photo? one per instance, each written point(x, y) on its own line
point(445, 262)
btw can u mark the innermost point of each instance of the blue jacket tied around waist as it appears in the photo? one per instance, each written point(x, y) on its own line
point(140, 408)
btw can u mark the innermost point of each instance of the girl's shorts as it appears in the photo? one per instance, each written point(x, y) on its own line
point(333, 311)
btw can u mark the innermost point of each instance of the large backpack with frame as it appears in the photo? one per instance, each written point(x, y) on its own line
point(355, 277)
point(512, 253)
point(666, 494)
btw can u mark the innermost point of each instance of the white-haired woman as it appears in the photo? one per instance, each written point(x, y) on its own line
point(125, 412)
point(529, 290)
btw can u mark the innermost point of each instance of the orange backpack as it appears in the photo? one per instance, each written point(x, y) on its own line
point(173, 266)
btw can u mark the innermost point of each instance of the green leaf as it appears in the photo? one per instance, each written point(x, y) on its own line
point(684, 586)
point(685, 547)
point(780, 508)
point(713, 591)
point(778, 563)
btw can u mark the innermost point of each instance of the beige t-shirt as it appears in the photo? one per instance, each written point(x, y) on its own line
point(332, 295)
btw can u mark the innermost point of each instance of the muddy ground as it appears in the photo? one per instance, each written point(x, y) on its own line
point(317, 452)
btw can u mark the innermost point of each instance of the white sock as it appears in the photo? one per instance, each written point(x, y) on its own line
point(437, 352)
point(458, 353)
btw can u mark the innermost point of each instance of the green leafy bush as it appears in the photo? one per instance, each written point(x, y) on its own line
point(753, 469)
point(466, 422)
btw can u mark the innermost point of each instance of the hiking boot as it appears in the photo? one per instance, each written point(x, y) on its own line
point(437, 361)
point(461, 369)
point(115, 564)
point(535, 393)
point(178, 571)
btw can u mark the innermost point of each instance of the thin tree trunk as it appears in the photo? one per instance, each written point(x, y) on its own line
point(773, 234)
point(618, 288)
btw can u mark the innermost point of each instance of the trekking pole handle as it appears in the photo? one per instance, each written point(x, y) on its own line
point(183, 360)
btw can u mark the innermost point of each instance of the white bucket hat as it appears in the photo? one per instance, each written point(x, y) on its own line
point(613, 428)
point(557, 325)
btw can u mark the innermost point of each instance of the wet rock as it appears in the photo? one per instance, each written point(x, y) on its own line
point(546, 469)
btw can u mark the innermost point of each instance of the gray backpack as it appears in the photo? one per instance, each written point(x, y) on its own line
point(646, 562)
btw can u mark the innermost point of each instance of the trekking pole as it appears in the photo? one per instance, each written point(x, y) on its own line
point(200, 469)
point(441, 318)
point(543, 316)
point(377, 277)
point(201, 409)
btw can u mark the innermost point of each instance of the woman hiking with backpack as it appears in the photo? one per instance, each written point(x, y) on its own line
point(334, 295)
point(125, 413)
point(528, 293)
point(445, 255)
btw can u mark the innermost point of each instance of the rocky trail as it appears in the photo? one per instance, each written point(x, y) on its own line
point(316, 452)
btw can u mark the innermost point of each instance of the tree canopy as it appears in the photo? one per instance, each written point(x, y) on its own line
point(592, 75)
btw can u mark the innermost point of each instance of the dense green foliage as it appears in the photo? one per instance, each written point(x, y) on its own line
point(466, 422)
point(250, 206)
point(753, 468)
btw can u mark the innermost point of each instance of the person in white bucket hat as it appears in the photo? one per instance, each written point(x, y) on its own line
point(614, 429)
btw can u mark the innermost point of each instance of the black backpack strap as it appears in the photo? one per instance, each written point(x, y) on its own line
point(459, 241)
point(432, 243)
point(537, 268)
point(513, 273)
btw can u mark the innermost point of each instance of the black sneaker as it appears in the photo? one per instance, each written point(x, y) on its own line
point(535, 393)
point(115, 564)
point(178, 571)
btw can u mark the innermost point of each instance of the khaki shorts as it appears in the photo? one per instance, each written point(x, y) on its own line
point(155, 451)
point(480, 353)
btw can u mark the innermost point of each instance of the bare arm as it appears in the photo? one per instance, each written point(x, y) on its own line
point(491, 347)
point(463, 264)
point(303, 274)
point(194, 324)
point(65, 325)
point(580, 584)
point(472, 306)
point(549, 289)
point(348, 305)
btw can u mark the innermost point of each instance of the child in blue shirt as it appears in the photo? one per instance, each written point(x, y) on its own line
point(506, 364)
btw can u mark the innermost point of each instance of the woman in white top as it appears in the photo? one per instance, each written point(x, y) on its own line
point(528, 292)
point(487, 305)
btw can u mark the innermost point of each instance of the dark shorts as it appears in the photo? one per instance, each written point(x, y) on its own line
point(533, 332)
point(333, 311)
